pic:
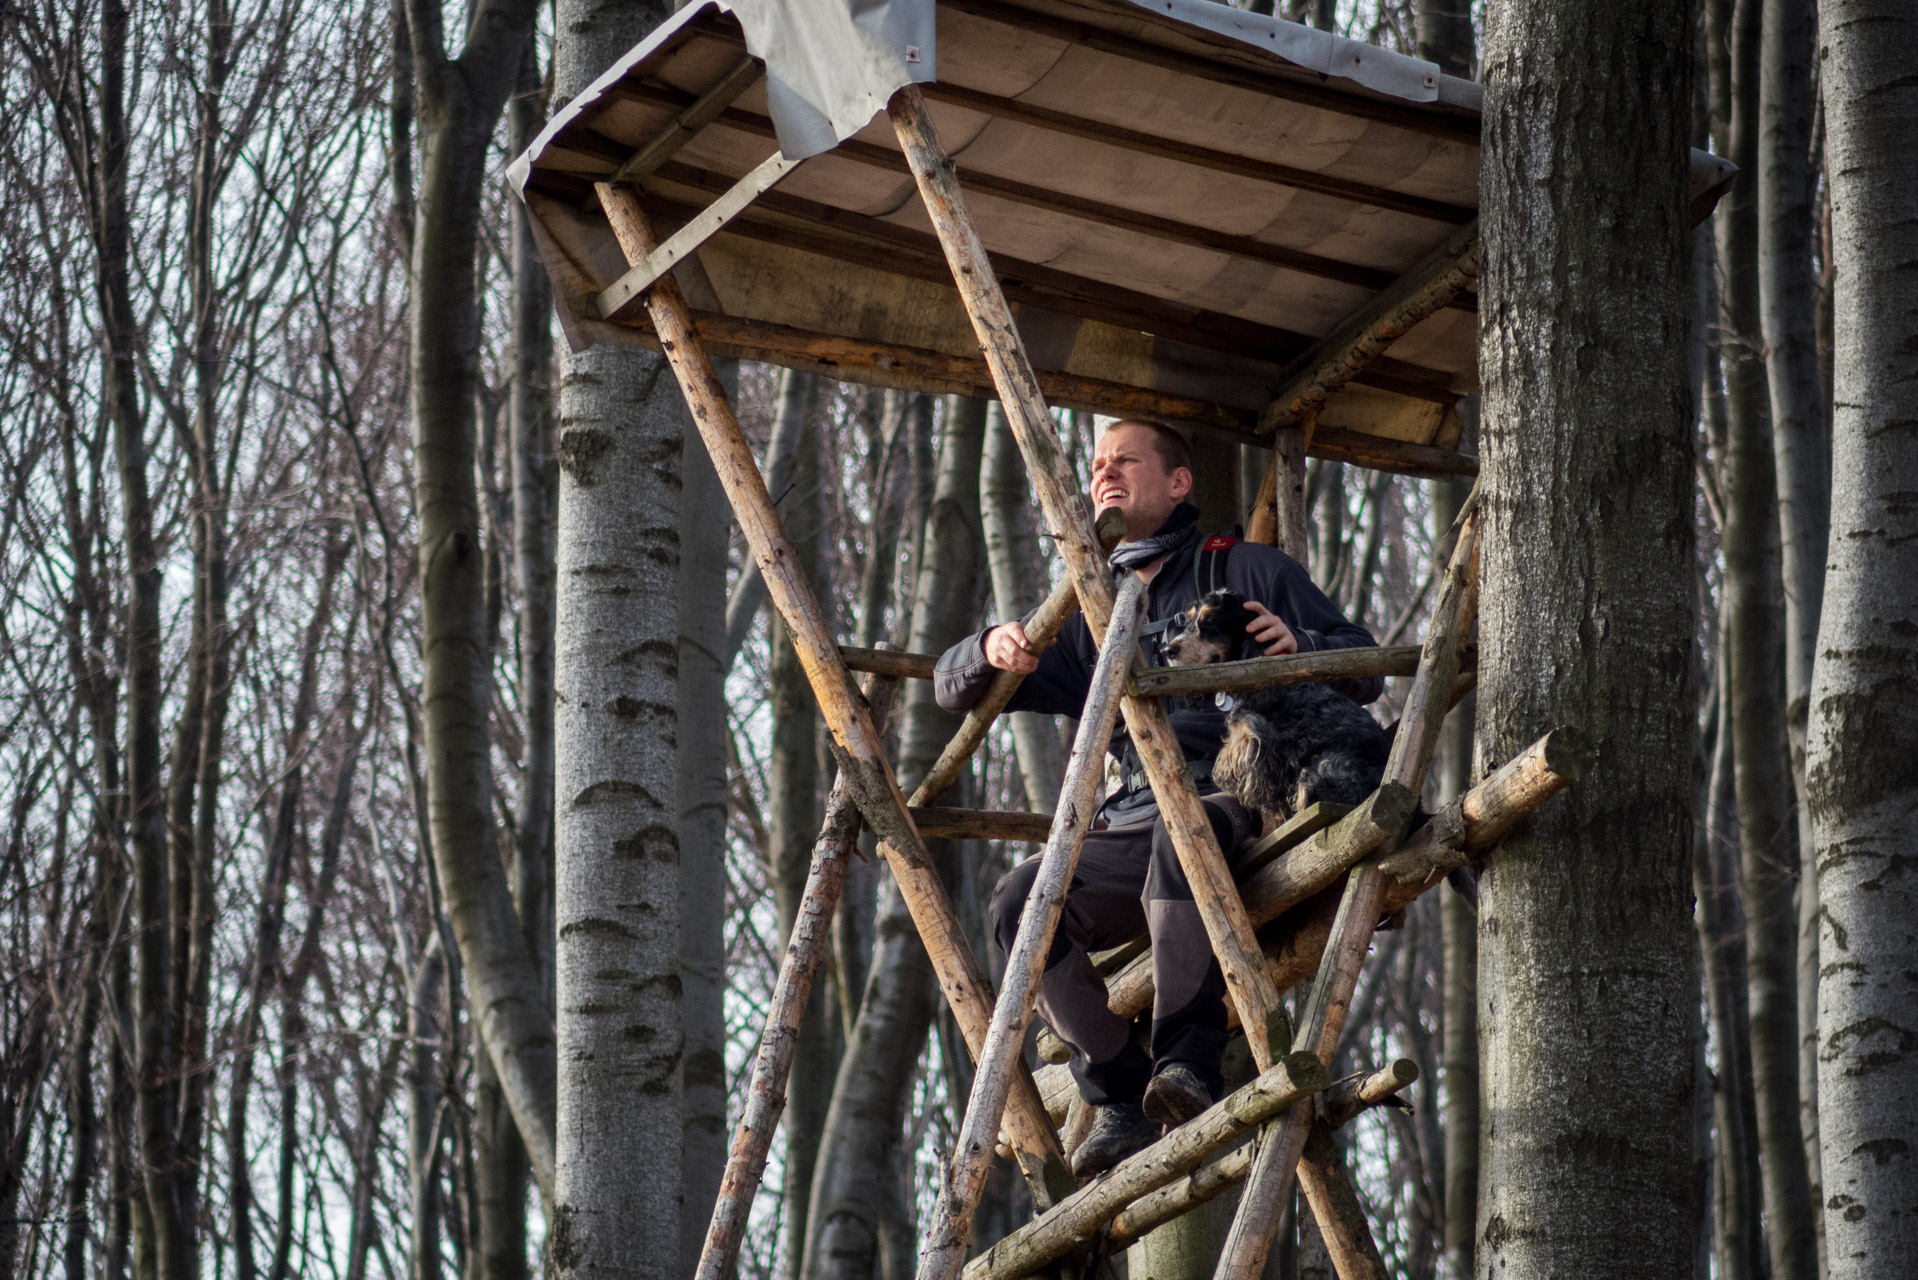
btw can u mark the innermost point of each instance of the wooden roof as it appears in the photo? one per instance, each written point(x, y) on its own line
point(1180, 200)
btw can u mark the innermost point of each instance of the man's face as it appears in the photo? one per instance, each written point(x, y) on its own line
point(1128, 473)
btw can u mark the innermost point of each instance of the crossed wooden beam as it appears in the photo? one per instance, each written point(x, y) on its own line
point(1007, 1105)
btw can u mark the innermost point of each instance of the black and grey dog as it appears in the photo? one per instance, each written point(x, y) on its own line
point(1289, 746)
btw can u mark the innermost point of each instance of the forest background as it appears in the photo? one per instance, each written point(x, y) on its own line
point(286, 436)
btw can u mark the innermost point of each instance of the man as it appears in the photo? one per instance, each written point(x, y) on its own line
point(1129, 880)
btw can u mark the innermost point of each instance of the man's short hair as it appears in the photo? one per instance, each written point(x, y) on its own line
point(1169, 443)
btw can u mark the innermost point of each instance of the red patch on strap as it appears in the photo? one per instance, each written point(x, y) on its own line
point(1219, 542)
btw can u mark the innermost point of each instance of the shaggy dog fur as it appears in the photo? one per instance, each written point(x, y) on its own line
point(1286, 747)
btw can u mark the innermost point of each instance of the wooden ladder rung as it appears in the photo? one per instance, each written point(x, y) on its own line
point(937, 822)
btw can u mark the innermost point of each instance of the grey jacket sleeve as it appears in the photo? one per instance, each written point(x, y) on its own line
point(963, 674)
point(1058, 687)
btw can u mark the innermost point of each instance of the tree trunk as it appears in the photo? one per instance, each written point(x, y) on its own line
point(535, 477)
point(1756, 709)
point(1458, 971)
point(703, 535)
point(1018, 585)
point(164, 1222)
point(499, 1157)
point(1801, 450)
point(460, 101)
point(1585, 951)
point(425, 995)
point(1721, 940)
point(1864, 703)
point(1445, 35)
point(622, 423)
point(793, 785)
point(857, 1149)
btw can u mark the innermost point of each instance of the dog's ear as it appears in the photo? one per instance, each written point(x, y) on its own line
point(1226, 610)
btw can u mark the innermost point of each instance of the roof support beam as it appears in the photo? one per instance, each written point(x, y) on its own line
point(704, 109)
point(1305, 384)
point(625, 291)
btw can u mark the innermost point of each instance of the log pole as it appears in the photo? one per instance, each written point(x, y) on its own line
point(1279, 515)
point(951, 1230)
point(1430, 696)
point(1078, 1217)
point(810, 941)
point(861, 751)
point(1336, 1205)
point(1248, 674)
point(1068, 514)
point(1306, 383)
point(1284, 1140)
point(1223, 1172)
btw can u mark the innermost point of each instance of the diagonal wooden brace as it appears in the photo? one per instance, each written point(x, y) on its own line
point(1070, 519)
point(1352, 1249)
point(951, 1230)
point(861, 752)
point(1263, 1202)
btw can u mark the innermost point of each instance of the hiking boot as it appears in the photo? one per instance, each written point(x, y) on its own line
point(1117, 1131)
point(1176, 1095)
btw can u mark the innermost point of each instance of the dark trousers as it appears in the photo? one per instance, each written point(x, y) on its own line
point(1129, 882)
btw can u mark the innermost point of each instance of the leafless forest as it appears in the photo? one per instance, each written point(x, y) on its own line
point(238, 1036)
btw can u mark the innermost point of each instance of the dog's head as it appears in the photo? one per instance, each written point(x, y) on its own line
point(1212, 630)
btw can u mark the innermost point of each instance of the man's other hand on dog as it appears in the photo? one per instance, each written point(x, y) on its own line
point(1129, 472)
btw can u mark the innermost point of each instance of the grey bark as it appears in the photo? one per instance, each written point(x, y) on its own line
point(425, 995)
point(535, 478)
point(459, 102)
point(858, 1149)
point(616, 867)
point(703, 530)
point(1585, 948)
point(1788, 293)
point(792, 825)
point(500, 1167)
point(1739, 1238)
point(1458, 971)
point(1754, 654)
point(1863, 733)
point(1018, 585)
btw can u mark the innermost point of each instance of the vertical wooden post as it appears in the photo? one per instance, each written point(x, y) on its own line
point(1279, 516)
point(1069, 515)
point(951, 1228)
point(862, 757)
point(1262, 1204)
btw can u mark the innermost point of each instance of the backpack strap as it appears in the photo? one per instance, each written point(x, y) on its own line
point(1208, 574)
point(1208, 566)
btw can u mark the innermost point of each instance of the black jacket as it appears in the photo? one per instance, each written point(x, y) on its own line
point(1257, 572)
